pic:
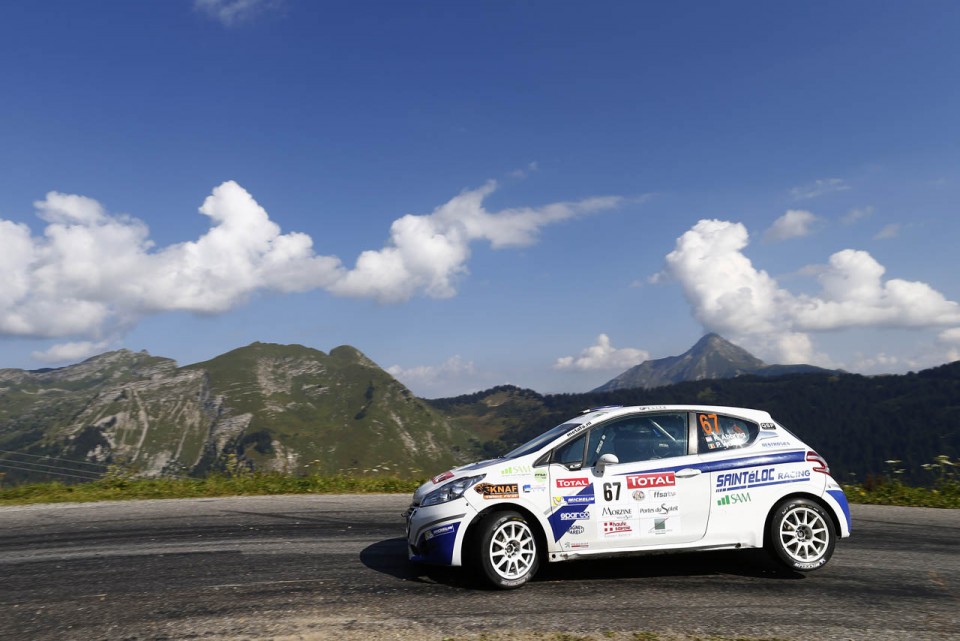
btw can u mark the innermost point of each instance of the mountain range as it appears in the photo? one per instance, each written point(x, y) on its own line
point(282, 408)
point(293, 409)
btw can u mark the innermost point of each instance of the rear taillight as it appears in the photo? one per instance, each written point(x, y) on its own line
point(820, 465)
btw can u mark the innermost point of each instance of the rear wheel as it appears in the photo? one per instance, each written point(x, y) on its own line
point(508, 552)
point(801, 535)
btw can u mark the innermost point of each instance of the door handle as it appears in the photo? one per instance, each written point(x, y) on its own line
point(687, 473)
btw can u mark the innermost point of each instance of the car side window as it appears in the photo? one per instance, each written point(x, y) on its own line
point(571, 454)
point(639, 438)
point(716, 432)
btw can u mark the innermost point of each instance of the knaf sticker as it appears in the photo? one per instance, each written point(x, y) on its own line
point(498, 490)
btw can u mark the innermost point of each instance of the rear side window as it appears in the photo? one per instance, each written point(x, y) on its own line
point(717, 432)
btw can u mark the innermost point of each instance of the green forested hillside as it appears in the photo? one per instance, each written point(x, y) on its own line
point(856, 422)
point(271, 408)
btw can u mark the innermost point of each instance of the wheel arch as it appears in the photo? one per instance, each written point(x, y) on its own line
point(470, 538)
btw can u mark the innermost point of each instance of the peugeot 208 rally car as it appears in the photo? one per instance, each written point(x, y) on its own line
point(620, 480)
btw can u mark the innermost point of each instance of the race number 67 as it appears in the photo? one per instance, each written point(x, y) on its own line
point(708, 423)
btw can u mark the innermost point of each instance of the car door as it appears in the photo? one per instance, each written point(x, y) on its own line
point(571, 514)
point(652, 493)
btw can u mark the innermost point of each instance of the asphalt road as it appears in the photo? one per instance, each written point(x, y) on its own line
point(304, 567)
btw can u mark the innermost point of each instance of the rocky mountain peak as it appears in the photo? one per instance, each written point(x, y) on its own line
point(712, 357)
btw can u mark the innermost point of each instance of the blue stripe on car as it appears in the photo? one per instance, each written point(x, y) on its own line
point(798, 456)
point(841, 498)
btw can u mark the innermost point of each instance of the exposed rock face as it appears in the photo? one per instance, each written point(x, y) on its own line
point(712, 357)
point(279, 407)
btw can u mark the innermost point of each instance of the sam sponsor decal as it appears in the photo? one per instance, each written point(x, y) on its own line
point(657, 479)
point(516, 470)
point(734, 498)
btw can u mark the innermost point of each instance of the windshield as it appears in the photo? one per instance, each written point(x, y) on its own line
point(540, 441)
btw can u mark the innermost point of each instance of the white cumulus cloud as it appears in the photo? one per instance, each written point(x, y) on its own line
point(230, 13)
point(857, 214)
point(429, 253)
point(92, 275)
point(434, 380)
point(70, 351)
point(819, 188)
point(732, 297)
point(795, 223)
point(603, 356)
point(888, 232)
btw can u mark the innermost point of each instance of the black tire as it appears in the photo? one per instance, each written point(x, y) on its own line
point(801, 535)
point(507, 551)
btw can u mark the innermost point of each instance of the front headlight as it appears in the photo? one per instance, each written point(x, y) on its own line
point(450, 491)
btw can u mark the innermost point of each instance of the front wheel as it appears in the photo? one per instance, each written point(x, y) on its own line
point(508, 550)
point(801, 535)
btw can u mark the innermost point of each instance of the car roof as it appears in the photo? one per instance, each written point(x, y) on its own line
point(615, 411)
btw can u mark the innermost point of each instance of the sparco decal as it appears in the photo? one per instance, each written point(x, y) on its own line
point(566, 484)
point(574, 516)
point(659, 479)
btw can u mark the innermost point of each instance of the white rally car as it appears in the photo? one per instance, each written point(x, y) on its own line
point(618, 480)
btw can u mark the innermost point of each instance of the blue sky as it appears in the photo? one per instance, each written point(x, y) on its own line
point(477, 193)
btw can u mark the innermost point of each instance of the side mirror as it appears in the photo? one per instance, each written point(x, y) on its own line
point(601, 465)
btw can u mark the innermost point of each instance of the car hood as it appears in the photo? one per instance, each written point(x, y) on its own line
point(451, 475)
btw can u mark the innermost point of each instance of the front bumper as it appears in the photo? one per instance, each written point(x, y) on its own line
point(435, 533)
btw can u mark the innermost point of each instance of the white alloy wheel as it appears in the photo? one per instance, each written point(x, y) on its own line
point(512, 550)
point(507, 549)
point(802, 535)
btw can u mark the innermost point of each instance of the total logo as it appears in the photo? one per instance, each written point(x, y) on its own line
point(657, 479)
point(566, 484)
